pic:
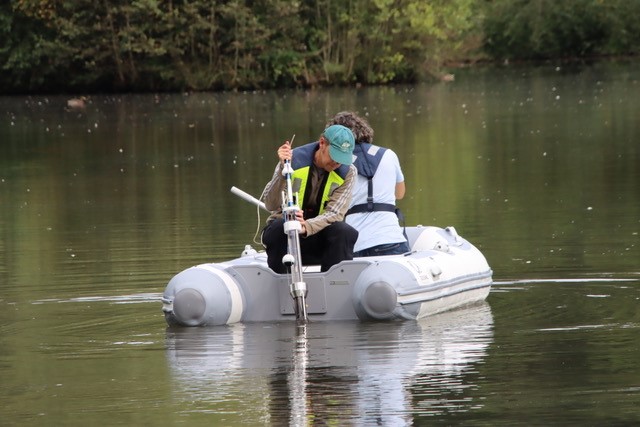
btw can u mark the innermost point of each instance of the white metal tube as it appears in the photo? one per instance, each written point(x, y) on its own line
point(248, 197)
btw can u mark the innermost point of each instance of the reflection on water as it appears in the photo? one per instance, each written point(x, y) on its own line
point(345, 372)
point(115, 299)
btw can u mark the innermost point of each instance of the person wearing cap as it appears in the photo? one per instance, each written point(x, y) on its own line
point(323, 176)
point(379, 184)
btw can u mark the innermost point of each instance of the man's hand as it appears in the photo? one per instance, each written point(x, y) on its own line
point(284, 152)
point(300, 218)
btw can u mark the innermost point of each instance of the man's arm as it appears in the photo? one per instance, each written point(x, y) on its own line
point(272, 193)
point(400, 190)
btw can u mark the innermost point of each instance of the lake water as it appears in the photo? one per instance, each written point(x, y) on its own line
point(99, 208)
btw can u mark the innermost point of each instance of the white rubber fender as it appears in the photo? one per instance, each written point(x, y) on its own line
point(203, 295)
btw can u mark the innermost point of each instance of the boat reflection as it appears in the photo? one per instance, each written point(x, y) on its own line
point(365, 373)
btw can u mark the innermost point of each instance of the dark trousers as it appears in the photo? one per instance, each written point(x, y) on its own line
point(327, 247)
point(386, 249)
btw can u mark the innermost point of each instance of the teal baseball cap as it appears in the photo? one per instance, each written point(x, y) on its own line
point(341, 142)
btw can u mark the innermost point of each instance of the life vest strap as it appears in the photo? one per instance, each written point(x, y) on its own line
point(372, 207)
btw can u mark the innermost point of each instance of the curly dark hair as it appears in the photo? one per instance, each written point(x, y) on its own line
point(359, 126)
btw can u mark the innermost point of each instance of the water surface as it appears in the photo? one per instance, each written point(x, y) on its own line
point(538, 167)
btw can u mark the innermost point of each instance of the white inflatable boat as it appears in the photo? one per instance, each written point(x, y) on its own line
point(443, 271)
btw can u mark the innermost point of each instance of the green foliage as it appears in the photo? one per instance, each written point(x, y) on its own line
point(202, 45)
point(151, 45)
point(620, 18)
point(23, 53)
point(568, 28)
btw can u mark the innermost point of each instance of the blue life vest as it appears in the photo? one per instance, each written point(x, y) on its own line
point(367, 165)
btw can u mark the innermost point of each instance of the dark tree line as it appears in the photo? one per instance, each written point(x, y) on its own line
point(168, 45)
point(540, 29)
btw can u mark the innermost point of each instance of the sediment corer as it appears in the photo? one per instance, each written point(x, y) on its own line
point(293, 259)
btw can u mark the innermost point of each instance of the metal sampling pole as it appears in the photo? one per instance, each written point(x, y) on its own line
point(293, 258)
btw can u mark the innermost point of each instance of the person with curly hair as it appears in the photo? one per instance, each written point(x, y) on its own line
point(380, 182)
